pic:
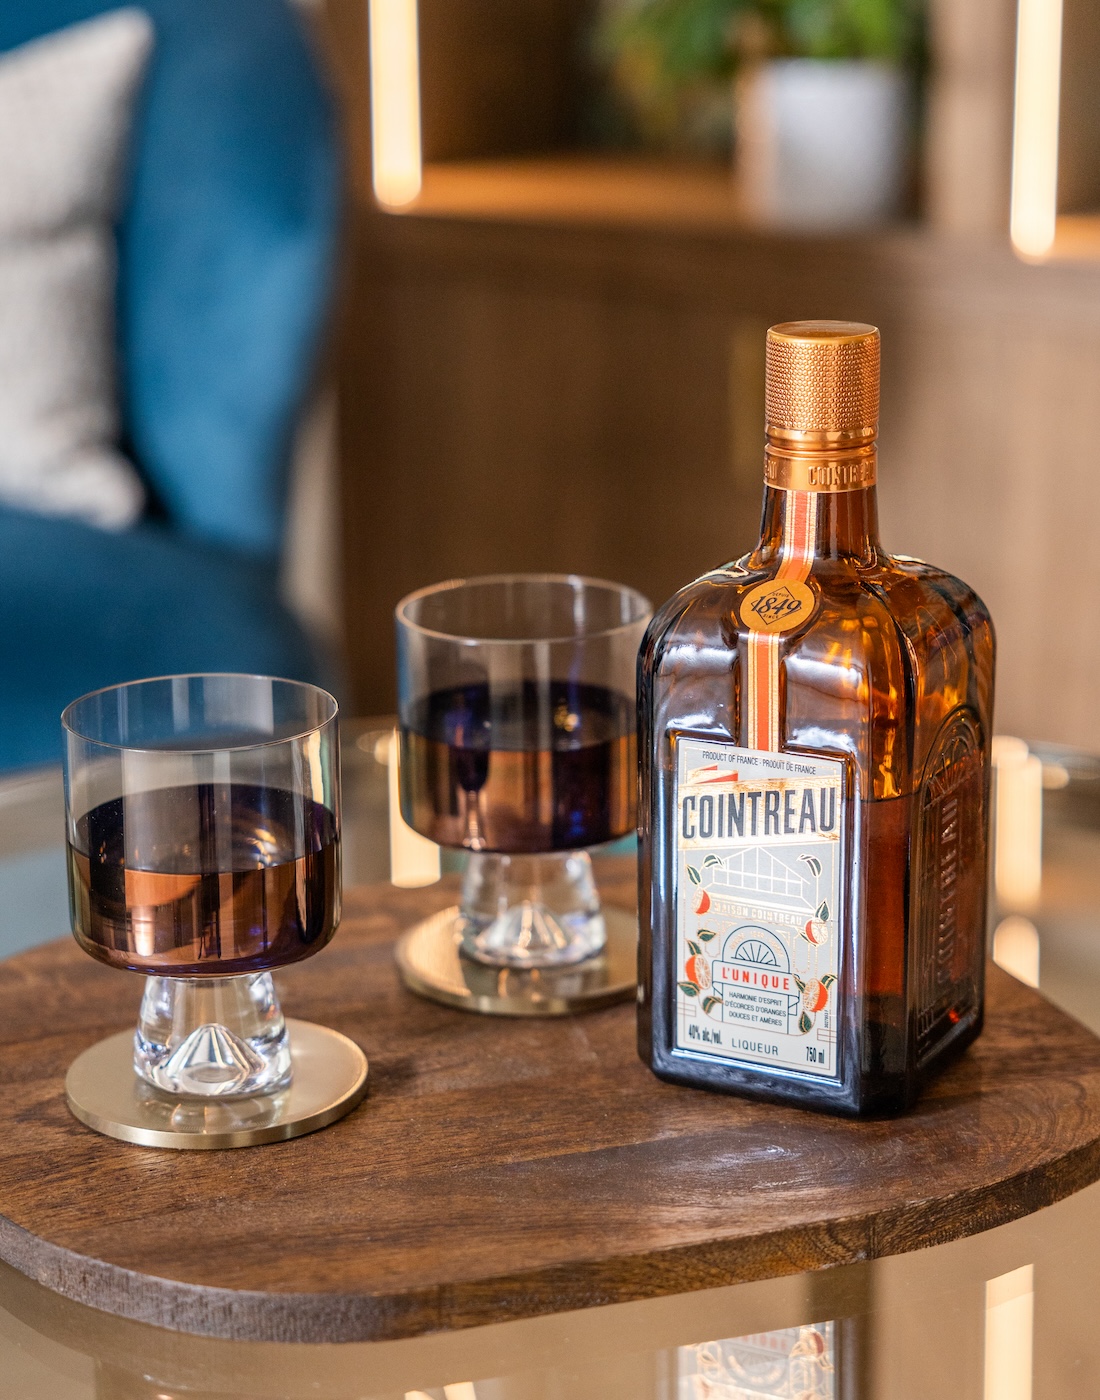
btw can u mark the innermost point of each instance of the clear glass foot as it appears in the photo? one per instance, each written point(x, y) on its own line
point(213, 1037)
point(531, 911)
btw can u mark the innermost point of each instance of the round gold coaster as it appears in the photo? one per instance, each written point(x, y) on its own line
point(430, 963)
point(330, 1078)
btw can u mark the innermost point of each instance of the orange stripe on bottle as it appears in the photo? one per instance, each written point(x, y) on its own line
point(796, 555)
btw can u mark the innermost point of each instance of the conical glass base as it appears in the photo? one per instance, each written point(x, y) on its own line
point(531, 911)
point(205, 1038)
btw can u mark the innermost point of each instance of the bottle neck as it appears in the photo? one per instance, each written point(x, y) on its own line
point(846, 526)
point(843, 523)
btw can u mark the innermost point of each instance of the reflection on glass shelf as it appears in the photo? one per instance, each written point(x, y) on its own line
point(460, 1390)
point(1009, 1326)
point(792, 1363)
point(1016, 948)
point(1017, 824)
point(1065, 953)
point(34, 898)
point(414, 860)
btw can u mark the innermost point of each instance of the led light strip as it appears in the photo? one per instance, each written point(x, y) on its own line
point(1035, 131)
point(395, 101)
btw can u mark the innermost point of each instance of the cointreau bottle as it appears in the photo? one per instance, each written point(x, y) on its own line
point(815, 730)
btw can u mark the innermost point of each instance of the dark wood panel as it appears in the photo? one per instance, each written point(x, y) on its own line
point(499, 76)
point(502, 1169)
point(580, 393)
point(1079, 124)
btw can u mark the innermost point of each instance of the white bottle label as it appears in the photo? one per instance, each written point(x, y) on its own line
point(758, 916)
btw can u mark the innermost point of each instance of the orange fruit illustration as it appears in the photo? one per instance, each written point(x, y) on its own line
point(814, 996)
point(704, 903)
point(816, 932)
point(697, 971)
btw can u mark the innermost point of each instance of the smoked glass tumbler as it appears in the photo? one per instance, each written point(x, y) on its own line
point(518, 745)
point(203, 827)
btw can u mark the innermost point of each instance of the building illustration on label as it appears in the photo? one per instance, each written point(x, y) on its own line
point(758, 904)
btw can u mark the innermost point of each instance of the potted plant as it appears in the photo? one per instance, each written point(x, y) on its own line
point(822, 94)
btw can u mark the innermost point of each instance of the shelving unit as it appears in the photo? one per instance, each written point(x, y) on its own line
point(554, 361)
point(582, 189)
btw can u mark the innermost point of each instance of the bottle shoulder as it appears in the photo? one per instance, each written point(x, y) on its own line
point(916, 589)
point(930, 607)
point(698, 616)
point(893, 650)
point(946, 629)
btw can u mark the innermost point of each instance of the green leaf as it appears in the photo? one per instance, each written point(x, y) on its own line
point(705, 934)
point(693, 948)
point(805, 1022)
point(671, 46)
point(689, 989)
point(813, 863)
point(798, 982)
point(711, 860)
point(828, 979)
point(709, 1003)
point(823, 911)
point(693, 875)
point(681, 42)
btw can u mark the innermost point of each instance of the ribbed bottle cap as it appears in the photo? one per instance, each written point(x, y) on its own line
point(822, 384)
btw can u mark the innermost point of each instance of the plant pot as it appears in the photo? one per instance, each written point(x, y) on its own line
point(821, 143)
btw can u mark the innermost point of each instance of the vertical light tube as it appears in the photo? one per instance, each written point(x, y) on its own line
point(1035, 134)
point(1018, 825)
point(1009, 1314)
point(395, 101)
point(414, 860)
point(1016, 948)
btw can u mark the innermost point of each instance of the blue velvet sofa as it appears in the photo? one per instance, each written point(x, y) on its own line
point(227, 245)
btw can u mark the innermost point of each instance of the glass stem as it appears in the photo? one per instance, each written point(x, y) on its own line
point(531, 911)
point(212, 1037)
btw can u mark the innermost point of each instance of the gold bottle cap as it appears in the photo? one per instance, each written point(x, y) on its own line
point(822, 385)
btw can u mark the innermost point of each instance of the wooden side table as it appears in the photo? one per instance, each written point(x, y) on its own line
point(502, 1168)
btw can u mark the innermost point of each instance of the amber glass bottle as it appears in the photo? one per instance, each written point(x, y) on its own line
point(814, 728)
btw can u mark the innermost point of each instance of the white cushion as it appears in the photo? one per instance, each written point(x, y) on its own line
point(65, 105)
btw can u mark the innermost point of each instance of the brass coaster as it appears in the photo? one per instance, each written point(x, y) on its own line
point(429, 961)
point(330, 1078)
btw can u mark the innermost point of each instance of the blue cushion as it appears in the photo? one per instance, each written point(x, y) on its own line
point(226, 252)
point(81, 608)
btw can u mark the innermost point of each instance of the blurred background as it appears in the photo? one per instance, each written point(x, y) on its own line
point(393, 290)
point(485, 286)
point(552, 329)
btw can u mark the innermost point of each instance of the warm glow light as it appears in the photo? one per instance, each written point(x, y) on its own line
point(1016, 948)
point(414, 860)
point(1018, 816)
point(395, 100)
point(1035, 137)
point(1009, 1310)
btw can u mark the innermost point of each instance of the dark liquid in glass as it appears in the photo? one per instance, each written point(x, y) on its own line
point(538, 768)
point(205, 880)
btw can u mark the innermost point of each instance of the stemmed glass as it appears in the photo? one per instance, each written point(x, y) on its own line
point(203, 829)
point(518, 746)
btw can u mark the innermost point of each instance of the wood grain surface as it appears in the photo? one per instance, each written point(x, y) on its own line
point(502, 1169)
